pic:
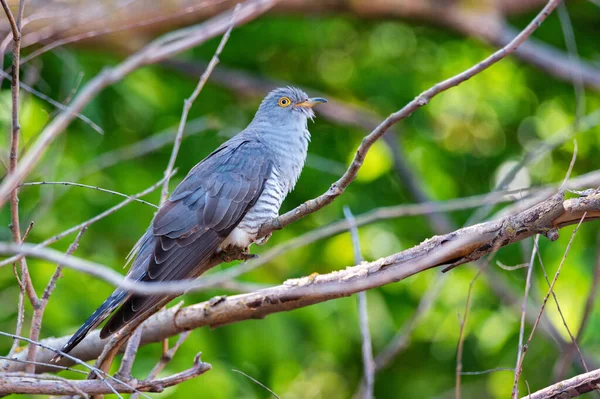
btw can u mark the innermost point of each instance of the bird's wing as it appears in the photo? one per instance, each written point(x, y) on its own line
point(189, 228)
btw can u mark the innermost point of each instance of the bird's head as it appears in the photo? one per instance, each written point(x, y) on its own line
point(287, 105)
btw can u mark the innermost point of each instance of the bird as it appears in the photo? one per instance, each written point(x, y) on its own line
point(218, 207)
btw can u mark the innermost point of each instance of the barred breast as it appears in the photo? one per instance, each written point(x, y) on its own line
point(266, 208)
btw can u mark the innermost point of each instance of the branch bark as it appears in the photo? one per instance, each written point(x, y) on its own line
point(569, 388)
point(456, 248)
point(24, 385)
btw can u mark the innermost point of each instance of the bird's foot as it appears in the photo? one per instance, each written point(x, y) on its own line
point(231, 254)
point(263, 240)
point(245, 255)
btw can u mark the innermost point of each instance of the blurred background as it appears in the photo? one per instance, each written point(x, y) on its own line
point(370, 59)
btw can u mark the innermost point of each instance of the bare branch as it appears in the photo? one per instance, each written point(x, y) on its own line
point(40, 307)
point(422, 99)
point(124, 372)
point(21, 385)
point(21, 301)
point(187, 104)
point(520, 349)
point(66, 183)
point(367, 348)
point(471, 243)
point(152, 53)
point(461, 337)
point(519, 367)
point(570, 388)
point(101, 375)
point(87, 223)
point(459, 247)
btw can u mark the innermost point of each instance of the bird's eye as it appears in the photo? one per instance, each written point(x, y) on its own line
point(284, 102)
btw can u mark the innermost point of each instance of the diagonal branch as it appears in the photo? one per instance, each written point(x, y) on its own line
point(154, 52)
point(571, 388)
point(459, 247)
point(422, 99)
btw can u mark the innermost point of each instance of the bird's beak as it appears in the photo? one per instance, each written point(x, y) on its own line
point(311, 102)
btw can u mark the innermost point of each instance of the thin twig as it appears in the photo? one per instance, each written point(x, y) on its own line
point(494, 370)
point(55, 103)
point(571, 165)
point(363, 315)
point(519, 367)
point(165, 359)
point(101, 375)
point(151, 53)
point(88, 222)
point(187, 104)
point(461, 337)
point(66, 183)
point(421, 100)
point(257, 382)
point(576, 73)
point(562, 316)
point(15, 24)
point(124, 372)
point(21, 301)
point(40, 307)
point(521, 349)
point(511, 268)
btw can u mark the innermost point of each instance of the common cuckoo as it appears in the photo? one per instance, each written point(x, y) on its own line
point(219, 206)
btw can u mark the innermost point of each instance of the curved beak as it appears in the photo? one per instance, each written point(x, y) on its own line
point(311, 102)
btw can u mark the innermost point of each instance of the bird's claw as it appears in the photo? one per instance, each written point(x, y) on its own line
point(245, 255)
point(263, 240)
point(231, 255)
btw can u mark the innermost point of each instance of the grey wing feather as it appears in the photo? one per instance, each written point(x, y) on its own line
point(189, 228)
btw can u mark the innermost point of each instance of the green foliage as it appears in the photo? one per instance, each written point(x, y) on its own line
point(456, 145)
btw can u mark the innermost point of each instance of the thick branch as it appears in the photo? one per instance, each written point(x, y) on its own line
point(462, 246)
point(570, 388)
point(30, 385)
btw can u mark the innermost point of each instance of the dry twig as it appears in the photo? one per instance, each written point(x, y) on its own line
point(188, 102)
point(521, 357)
point(367, 348)
point(422, 99)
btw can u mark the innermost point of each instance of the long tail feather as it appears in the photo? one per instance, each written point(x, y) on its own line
point(111, 303)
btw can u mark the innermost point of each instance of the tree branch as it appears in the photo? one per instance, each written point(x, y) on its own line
point(157, 50)
point(570, 388)
point(459, 247)
point(31, 385)
point(422, 99)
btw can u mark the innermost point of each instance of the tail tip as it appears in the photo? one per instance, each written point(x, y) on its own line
point(56, 358)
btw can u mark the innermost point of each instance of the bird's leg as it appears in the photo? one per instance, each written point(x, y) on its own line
point(232, 253)
point(245, 255)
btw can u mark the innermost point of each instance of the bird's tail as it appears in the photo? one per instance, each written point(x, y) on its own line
point(109, 305)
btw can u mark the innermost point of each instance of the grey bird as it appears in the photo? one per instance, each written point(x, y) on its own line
point(219, 206)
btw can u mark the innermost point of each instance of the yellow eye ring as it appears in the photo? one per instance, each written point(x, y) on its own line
point(284, 102)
